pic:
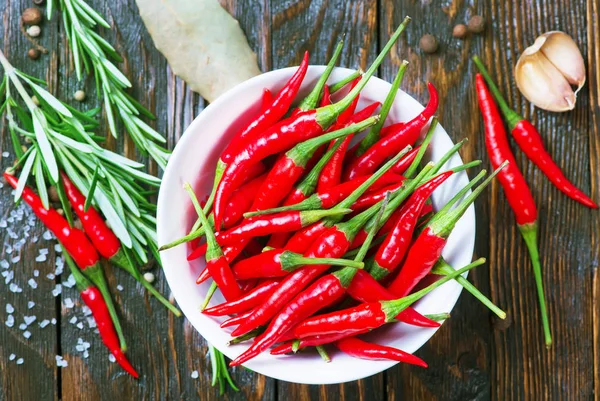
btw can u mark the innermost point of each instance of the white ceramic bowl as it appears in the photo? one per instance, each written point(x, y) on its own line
point(193, 161)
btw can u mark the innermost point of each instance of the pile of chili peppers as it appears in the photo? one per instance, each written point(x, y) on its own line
point(313, 242)
point(515, 187)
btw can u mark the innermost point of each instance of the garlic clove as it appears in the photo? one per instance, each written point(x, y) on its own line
point(541, 82)
point(562, 51)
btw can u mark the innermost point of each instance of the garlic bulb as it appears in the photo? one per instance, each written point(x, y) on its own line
point(547, 70)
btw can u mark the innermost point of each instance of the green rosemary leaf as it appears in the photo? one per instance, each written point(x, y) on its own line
point(140, 251)
point(40, 182)
point(15, 142)
point(44, 145)
point(136, 233)
point(75, 45)
point(25, 174)
point(139, 106)
point(93, 13)
point(110, 67)
point(30, 78)
point(110, 117)
point(64, 201)
point(51, 100)
point(82, 147)
point(148, 129)
point(90, 196)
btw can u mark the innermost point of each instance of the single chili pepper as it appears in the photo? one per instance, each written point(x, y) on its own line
point(267, 99)
point(269, 224)
point(279, 263)
point(234, 321)
point(325, 98)
point(333, 243)
point(216, 263)
point(371, 198)
point(248, 301)
point(277, 109)
point(373, 134)
point(332, 172)
point(407, 134)
point(347, 114)
point(515, 188)
point(229, 252)
point(295, 345)
point(314, 97)
point(442, 268)
point(391, 253)
point(368, 316)
point(530, 141)
point(76, 244)
point(289, 168)
point(93, 299)
point(414, 166)
point(406, 161)
point(428, 246)
point(105, 241)
point(249, 175)
point(364, 350)
point(322, 293)
point(289, 132)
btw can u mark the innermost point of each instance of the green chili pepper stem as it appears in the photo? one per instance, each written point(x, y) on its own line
point(187, 238)
point(447, 156)
point(328, 114)
point(352, 253)
point(373, 134)
point(443, 268)
point(81, 281)
point(312, 100)
point(220, 169)
point(442, 225)
point(393, 308)
point(412, 169)
point(291, 260)
point(438, 317)
point(333, 88)
point(529, 233)
point(461, 194)
point(311, 203)
point(213, 250)
point(323, 353)
point(312, 216)
point(303, 152)
point(511, 116)
point(209, 294)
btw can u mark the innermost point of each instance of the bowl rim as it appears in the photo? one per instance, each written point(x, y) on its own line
point(266, 80)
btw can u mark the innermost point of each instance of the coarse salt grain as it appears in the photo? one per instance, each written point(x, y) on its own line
point(112, 358)
point(60, 362)
point(53, 321)
point(119, 287)
point(32, 283)
point(22, 326)
point(73, 320)
point(5, 154)
point(30, 304)
point(15, 288)
point(8, 276)
point(26, 334)
point(86, 354)
point(57, 248)
point(12, 357)
point(86, 311)
point(50, 276)
point(4, 264)
point(16, 259)
point(43, 251)
point(68, 303)
point(57, 290)
point(10, 321)
point(29, 319)
point(80, 325)
point(9, 308)
point(44, 323)
point(47, 235)
point(70, 283)
point(20, 361)
point(91, 322)
point(195, 374)
point(41, 258)
point(36, 273)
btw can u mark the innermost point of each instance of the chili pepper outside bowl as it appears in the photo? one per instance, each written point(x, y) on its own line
point(193, 160)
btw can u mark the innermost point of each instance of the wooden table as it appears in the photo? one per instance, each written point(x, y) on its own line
point(473, 356)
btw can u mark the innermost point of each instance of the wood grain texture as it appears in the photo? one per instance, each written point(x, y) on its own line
point(473, 356)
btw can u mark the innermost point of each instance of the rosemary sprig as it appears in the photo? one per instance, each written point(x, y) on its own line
point(94, 54)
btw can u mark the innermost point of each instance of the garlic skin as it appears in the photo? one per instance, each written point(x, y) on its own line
point(547, 70)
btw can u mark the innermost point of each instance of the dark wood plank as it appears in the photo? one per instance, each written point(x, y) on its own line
point(36, 378)
point(317, 26)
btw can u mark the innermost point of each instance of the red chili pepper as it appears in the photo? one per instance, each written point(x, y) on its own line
point(364, 350)
point(371, 198)
point(428, 246)
point(216, 262)
point(314, 341)
point(405, 135)
point(326, 98)
point(364, 288)
point(279, 263)
point(367, 316)
point(93, 299)
point(234, 321)
point(515, 188)
point(267, 99)
point(374, 133)
point(289, 168)
point(332, 172)
point(391, 253)
point(75, 244)
point(287, 133)
point(105, 241)
point(530, 141)
point(277, 109)
point(347, 114)
point(248, 301)
point(406, 161)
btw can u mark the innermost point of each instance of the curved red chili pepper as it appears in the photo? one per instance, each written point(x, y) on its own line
point(267, 99)
point(407, 134)
point(326, 98)
point(248, 301)
point(289, 132)
point(530, 141)
point(233, 321)
point(515, 188)
point(288, 346)
point(364, 350)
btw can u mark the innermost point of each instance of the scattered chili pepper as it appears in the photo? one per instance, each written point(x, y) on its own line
point(279, 263)
point(289, 132)
point(530, 141)
point(374, 133)
point(364, 350)
point(216, 263)
point(105, 241)
point(277, 109)
point(246, 302)
point(368, 316)
point(76, 244)
point(93, 299)
point(515, 187)
point(428, 246)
